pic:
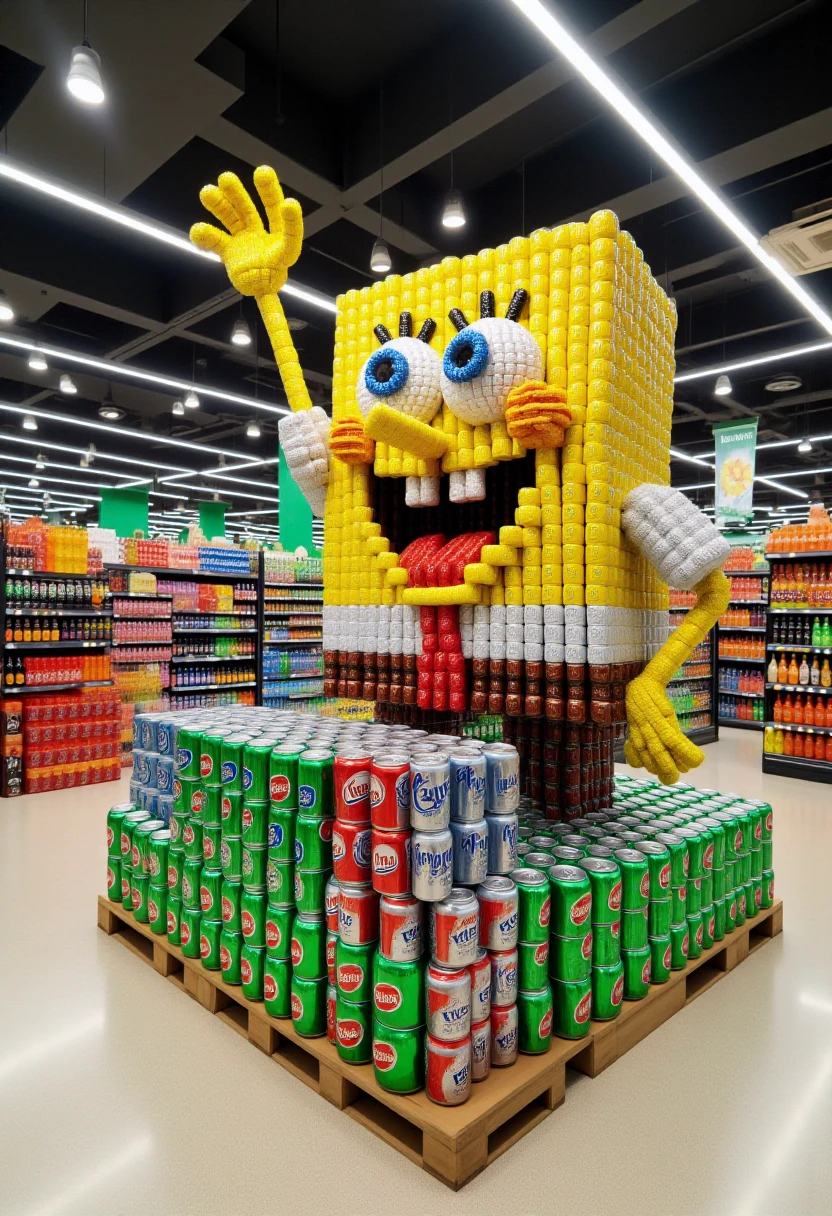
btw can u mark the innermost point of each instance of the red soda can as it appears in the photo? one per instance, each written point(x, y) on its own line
point(358, 915)
point(454, 928)
point(390, 791)
point(448, 1079)
point(480, 990)
point(330, 1013)
point(504, 1035)
point(391, 861)
point(481, 1050)
point(400, 921)
point(351, 777)
point(332, 898)
point(351, 852)
point(448, 1003)
point(331, 939)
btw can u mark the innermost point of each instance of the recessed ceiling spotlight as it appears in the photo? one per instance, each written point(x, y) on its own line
point(37, 361)
point(241, 334)
point(784, 384)
point(67, 385)
point(722, 387)
point(109, 410)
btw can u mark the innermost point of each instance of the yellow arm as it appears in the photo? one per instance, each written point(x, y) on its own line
point(288, 364)
point(656, 741)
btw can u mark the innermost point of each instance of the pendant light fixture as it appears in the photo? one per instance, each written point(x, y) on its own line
point(6, 310)
point(67, 385)
point(178, 408)
point(453, 212)
point(37, 361)
point(84, 78)
point(380, 260)
point(805, 445)
point(30, 423)
point(253, 430)
point(722, 387)
point(241, 334)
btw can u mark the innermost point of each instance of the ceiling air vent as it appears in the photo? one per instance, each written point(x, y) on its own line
point(804, 245)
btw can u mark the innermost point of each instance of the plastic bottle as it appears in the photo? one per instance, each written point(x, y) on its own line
point(825, 675)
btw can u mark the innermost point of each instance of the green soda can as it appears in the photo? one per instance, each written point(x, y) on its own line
point(742, 909)
point(192, 838)
point(732, 835)
point(309, 1007)
point(231, 894)
point(280, 883)
point(658, 918)
point(173, 918)
point(766, 818)
point(636, 965)
point(176, 827)
point(679, 938)
point(635, 879)
point(533, 909)
point(696, 850)
point(353, 1031)
point(231, 813)
point(315, 788)
point(607, 991)
point(310, 889)
point(139, 894)
point(231, 762)
point(256, 758)
point(661, 958)
point(254, 866)
point(751, 899)
point(757, 863)
point(731, 874)
point(157, 909)
point(634, 930)
point(209, 943)
point(694, 898)
point(748, 817)
point(353, 971)
point(719, 920)
point(678, 850)
point(707, 888)
point(115, 818)
point(231, 953)
point(191, 879)
point(606, 944)
point(398, 991)
point(678, 904)
point(570, 958)
point(279, 932)
point(605, 885)
point(694, 934)
point(767, 889)
point(140, 853)
point(114, 879)
point(176, 869)
point(189, 927)
point(716, 831)
point(718, 882)
point(277, 978)
point(231, 858)
point(398, 1058)
point(658, 868)
point(708, 926)
point(211, 806)
point(730, 905)
point(186, 755)
point(255, 823)
point(563, 854)
point(571, 1008)
point(743, 867)
point(210, 895)
point(210, 763)
point(252, 964)
point(211, 846)
point(280, 834)
point(253, 916)
point(283, 776)
point(182, 796)
point(571, 897)
point(308, 947)
point(533, 965)
point(534, 1020)
point(313, 843)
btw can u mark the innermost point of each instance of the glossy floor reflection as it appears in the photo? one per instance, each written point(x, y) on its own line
point(120, 1095)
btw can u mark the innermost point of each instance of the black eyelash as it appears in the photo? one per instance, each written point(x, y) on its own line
point(382, 333)
point(487, 307)
point(405, 325)
point(427, 331)
point(517, 304)
point(457, 318)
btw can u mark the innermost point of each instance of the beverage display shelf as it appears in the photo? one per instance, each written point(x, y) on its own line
point(799, 728)
point(173, 571)
point(293, 599)
point(742, 628)
point(213, 612)
point(291, 613)
point(790, 557)
point(213, 632)
point(51, 574)
point(799, 649)
point(731, 573)
point(139, 642)
point(294, 642)
point(702, 734)
point(741, 724)
point(137, 616)
point(796, 766)
point(690, 679)
point(58, 612)
point(296, 675)
point(729, 692)
point(741, 603)
point(800, 688)
point(185, 690)
point(138, 595)
point(728, 659)
point(63, 687)
point(64, 644)
point(213, 658)
point(320, 586)
point(802, 611)
point(298, 696)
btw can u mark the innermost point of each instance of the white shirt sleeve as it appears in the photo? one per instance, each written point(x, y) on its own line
point(673, 535)
point(304, 437)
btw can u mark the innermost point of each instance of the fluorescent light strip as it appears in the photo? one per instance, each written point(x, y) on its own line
point(792, 443)
point(233, 493)
point(767, 481)
point(677, 455)
point(705, 485)
point(59, 447)
point(637, 119)
point(58, 481)
point(263, 511)
point(51, 464)
point(241, 481)
point(739, 365)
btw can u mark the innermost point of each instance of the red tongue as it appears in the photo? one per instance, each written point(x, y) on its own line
point(441, 683)
point(440, 564)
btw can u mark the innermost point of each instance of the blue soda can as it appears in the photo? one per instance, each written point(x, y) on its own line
point(138, 725)
point(135, 791)
point(149, 801)
point(140, 766)
point(470, 851)
point(432, 870)
point(502, 778)
point(152, 760)
point(164, 806)
point(430, 798)
point(148, 733)
point(164, 774)
point(165, 737)
point(467, 786)
point(502, 843)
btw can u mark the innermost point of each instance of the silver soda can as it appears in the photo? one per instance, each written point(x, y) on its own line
point(498, 913)
point(467, 786)
point(432, 872)
point(504, 1035)
point(453, 926)
point(430, 783)
point(448, 1003)
point(470, 851)
point(502, 842)
point(481, 987)
point(448, 1072)
point(481, 1050)
point(503, 978)
point(502, 777)
point(400, 928)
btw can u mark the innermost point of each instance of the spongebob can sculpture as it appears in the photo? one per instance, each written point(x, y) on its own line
point(500, 528)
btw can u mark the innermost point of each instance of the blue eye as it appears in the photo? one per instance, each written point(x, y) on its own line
point(466, 356)
point(386, 372)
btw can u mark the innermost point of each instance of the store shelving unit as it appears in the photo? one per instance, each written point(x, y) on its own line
point(744, 664)
point(288, 607)
point(701, 686)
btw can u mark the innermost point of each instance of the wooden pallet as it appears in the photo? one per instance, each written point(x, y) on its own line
point(452, 1143)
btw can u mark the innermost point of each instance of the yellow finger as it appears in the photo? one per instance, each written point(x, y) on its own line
point(209, 238)
point(271, 196)
point(292, 231)
point(213, 200)
point(665, 769)
point(239, 200)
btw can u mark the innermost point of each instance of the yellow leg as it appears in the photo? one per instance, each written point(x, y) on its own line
point(656, 741)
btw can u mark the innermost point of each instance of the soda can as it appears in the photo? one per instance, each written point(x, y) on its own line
point(211, 846)
point(126, 891)
point(502, 777)
point(277, 999)
point(502, 842)
point(564, 854)
point(571, 901)
point(280, 834)
point(210, 898)
point(532, 965)
point(351, 852)
point(400, 928)
point(157, 908)
point(115, 818)
point(252, 915)
point(191, 879)
point(189, 927)
point(719, 920)
point(231, 858)
point(310, 890)
point(398, 1058)
point(658, 918)
point(312, 843)
point(730, 906)
point(256, 762)
point(332, 899)
point(165, 737)
point(173, 919)
point(331, 944)
point(353, 1031)
point(431, 865)
point(534, 1020)
point(308, 1002)
point(176, 827)
point(231, 762)
point(570, 958)
point(230, 906)
point(192, 837)
point(188, 748)
point(358, 915)
point(448, 1003)
point(607, 991)
point(480, 972)
point(453, 927)
point(605, 887)
point(139, 893)
point(504, 1036)
point(696, 842)
point(543, 842)
point(661, 958)
point(351, 781)
point(254, 866)
point(499, 913)
point(606, 944)
point(504, 978)
point(283, 776)
point(255, 821)
point(767, 889)
point(430, 799)
point(693, 896)
point(637, 973)
point(252, 966)
point(448, 1071)
point(694, 935)
point(390, 791)
point(315, 794)
point(278, 932)
point(114, 880)
point(679, 939)
point(708, 926)
point(231, 952)
point(678, 850)
point(481, 1050)
point(210, 765)
point(470, 845)
point(678, 904)
point(467, 786)
point(209, 943)
point(543, 861)
point(280, 883)
point(634, 930)
point(757, 863)
point(231, 813)
point(398, 993)
point(391, 861)
point(749, 906)
point(658, 868)
point(308, 947)
point(140, 852)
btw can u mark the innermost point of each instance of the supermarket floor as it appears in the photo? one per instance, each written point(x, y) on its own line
point(120, 1095)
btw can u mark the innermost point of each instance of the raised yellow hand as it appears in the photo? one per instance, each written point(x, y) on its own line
point(257, 260)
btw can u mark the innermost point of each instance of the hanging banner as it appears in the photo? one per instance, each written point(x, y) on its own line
point(736, 451)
